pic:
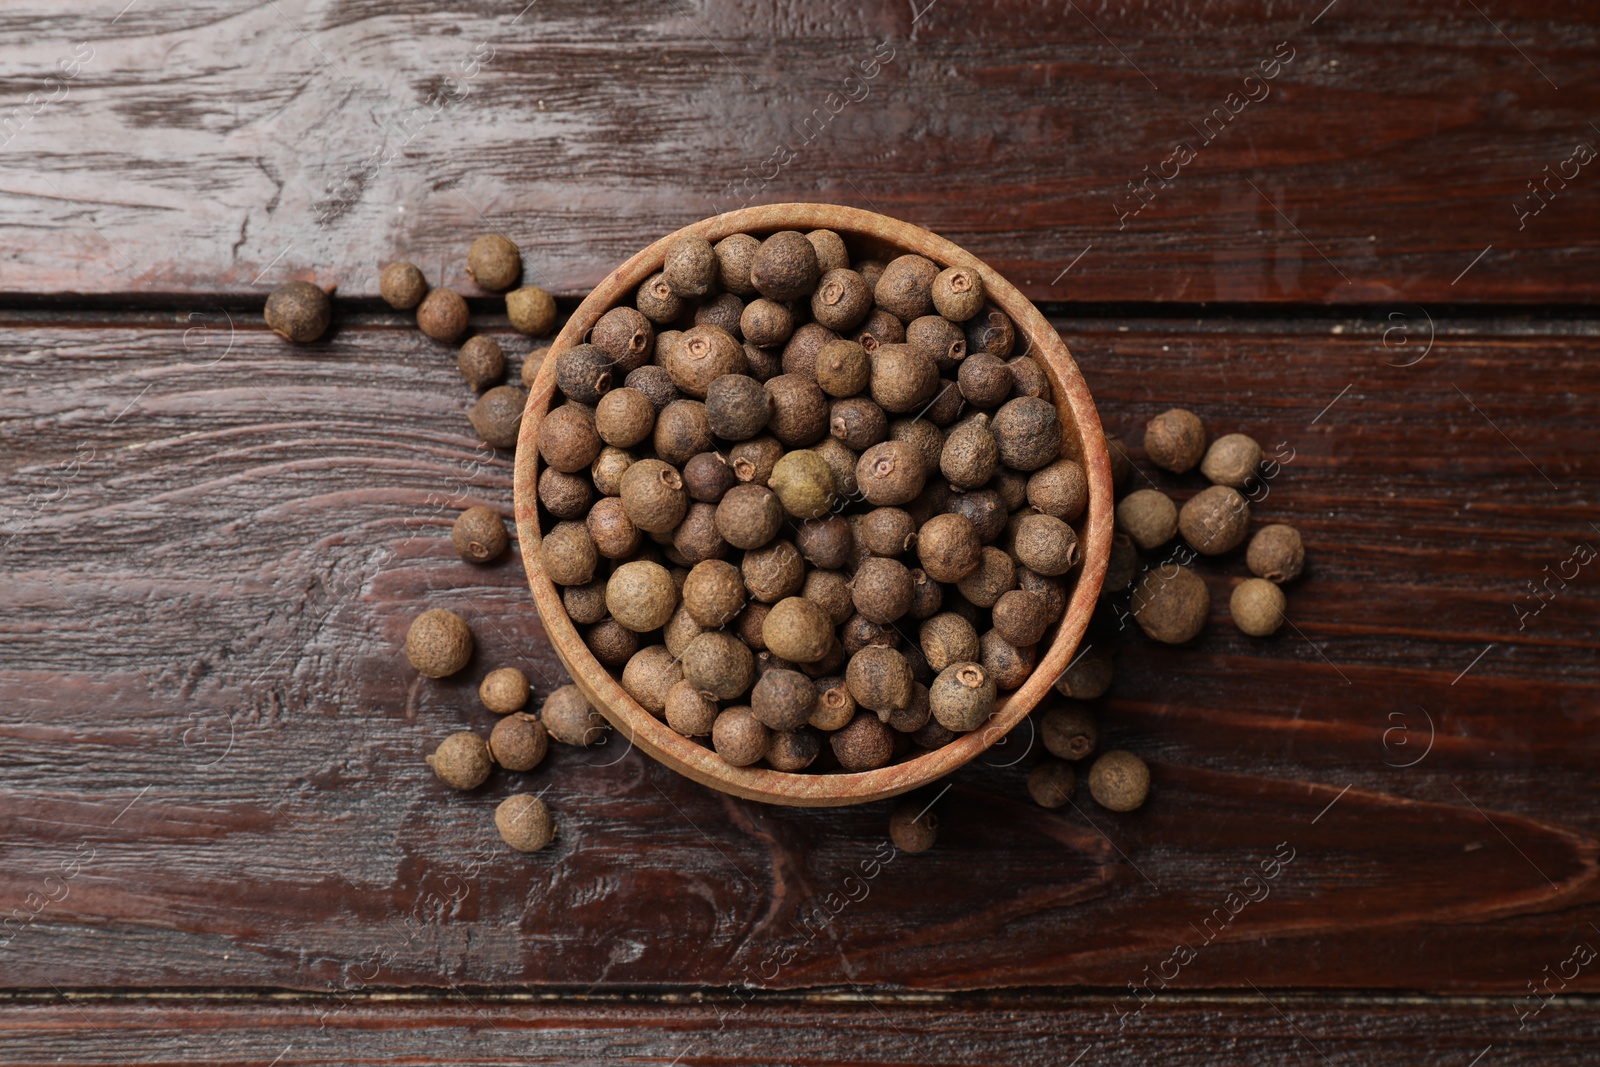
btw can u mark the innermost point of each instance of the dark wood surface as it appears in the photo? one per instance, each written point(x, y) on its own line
point(220, 841)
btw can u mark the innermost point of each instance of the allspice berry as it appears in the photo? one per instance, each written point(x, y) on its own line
point(1045, 544)
point(984, 380)
point(962, 696)
point(857, 423)
point(958, 293)
point(624, 417)
point(1050, 783)
point(1123, 566)
point(1007, 664)
point(753, 460)
point(766, 323)
point(1170, 604)
point(494, 262)
point(612, 643)
point(585, 604)
point(735, 254)
point(905, 289)
point(1028, 431)
point(948, 638)
point(903, 379)
point(948, 548)
point(785, 267)
point(1021, 618)
point(1276, 553)
point(689, 712)
point(970, 454)
point(995, 574)
point(567, 437)
point(708, 477)
point(773, 571)
point(531, 310)
point(792, 750)
point(584, 373)
point(641, 596)
point(719, 665)
point(613, 533)
point(1175, 440)
point(481, 361)
point(299, 312)
point(682, 432)
point(569, 718)
point(1215, 520)
point(1233, 460)
point(1088, 675)
point(885, 531)
point(627, 337)
point(1257, 607)
point(843, 368)
point(826, 543)
point(479, 534)
point(531, 365)
point(939, 339)
point(1061, 489)
point(914, 827)
point(803, 483)
point(504, 690)
point(714, 593)
point(701, 355)
point(1119, 781)
point(607, 469)
point(737, 406)
point(442, 315)
point(653, 496)
point(518, 742)
point(863, 744)
point(841, 301)
point(739, 737)
point(650, 675)
point(568, 555)
point(1068, 731)
point(402, 285)
point(797, 630)
point(890, 473)
point(831, 251)
point(691, 267)
point(881, 589)
point(1148, 517)
point(524, 822)
point(783, 699)
point(438, 643)
point(656, 301)
point(879, 679)
point(749, 516)
point(799, 410)
point(461, 761)
point(497, 416)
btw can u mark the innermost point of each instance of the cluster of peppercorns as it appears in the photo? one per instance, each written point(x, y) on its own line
point(1170, 602)
point(816, 512)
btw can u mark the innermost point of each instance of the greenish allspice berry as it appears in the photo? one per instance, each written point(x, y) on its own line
point(804, 484)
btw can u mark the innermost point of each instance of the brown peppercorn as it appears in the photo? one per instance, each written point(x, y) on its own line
point(584, 373)
point(879, 679)
point(984, 510)
point(947, 404)
point(608, 468)
point(1276, 553)
point(1007, 664)
point(655, 383)
point(803, 484)
point(984, 380)
point(689, 712)
point(792, 750)
point(438, 643)
point(841, 301)
point(864, 744)
point(773, 572)
point(656, 301)
point(701, 356)
point(1029, 378)
point(753, 460)
point(494, 262)
point(830, 591)
point(518, 742)
point(870, 269)
point(567, 554)
point(1021, 618)
point(1123, 565)
point(1170, 604)
point(927, 595)
point(481, 362)
point(958, 293)
point(1046, 545)
point(785, 267)
point(1232, 460)
point(569, 718)
point(881, 589)
point(801, 351)
point(830, 249)
point(442, 315)
point(402, 285)
point(903, 379)
point(691, 267)
point(1148, 517)
point(857, 423)
point(1028, 431)
point(497, 416)
point(783, 699)
point(962, 696)
point(924, 436)
point(858, 632)
point(749, 516)
point(1175, 440)
point(650, 675)
point(461, 761)
point(825, 543)
point(1119, 781)
point(1121, 465)
point(1051, 591)
point(735, 255)
point(585, 604)
point(707, 477)
point(884, 531)
point(948, 547)
point(724, 311)
point(905, 289)
point(680, 630)
point(913, 827)
point(766, 323)
point(763, 364)
point(682, 432)
point(714, 593)
point(739, 737)
point(479, 534)
point(625, 335)
point(1061, 489)
point(890, 473)
point(1215, 520)
point(799, 410)
point(843, 368)
point(613, 533)
point(504, 690)
point(938, 339)
point(524, 822)
point(995, 575)
point(879, 329)
point(300, 312)
point(835, 706)
point(641, 596)
point(1068, 731)
point(1088, 676)
point(624, 417)
point(914, 716)
point(532, 311)
point(991, 331)
point(970, 454)
point(653, 496)
point(797, 630)
point(933, 735)
point(719, 665)
point(948, 638)
point(737, 407)
point(612, 643)
point(1050, 783)
point(1257, 607)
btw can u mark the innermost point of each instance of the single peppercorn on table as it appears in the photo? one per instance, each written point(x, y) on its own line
point(1369, 837)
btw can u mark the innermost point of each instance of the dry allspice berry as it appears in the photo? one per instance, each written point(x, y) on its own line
point(497, 416)
point(1175, 440)
point(914, 826)
point(569, 718)
point(531, 310)
point(1050, 783)
point(1171, 603)
point(299, 312)
point(494, 262)
point(1276, 553)
point(504, 690)
point(524, 822)
point(479, 534)
point(442, 315)
point(438, 643)
point(1257, 607)
point(1119, 781)
point(481, 361)
point(519, 742)
point(402, 285)
point(462, 761)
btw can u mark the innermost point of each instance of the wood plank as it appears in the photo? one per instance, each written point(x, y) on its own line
point(483, 1029)
point(213, 552)
point(1392, 155)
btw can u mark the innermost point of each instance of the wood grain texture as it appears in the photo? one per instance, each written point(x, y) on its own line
point(212, 552)
point(210, 148)
point(1265, 1027)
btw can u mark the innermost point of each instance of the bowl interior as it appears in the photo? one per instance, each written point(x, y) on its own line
point(868, 235)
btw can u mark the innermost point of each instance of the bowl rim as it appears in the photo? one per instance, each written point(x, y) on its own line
point(684, 755)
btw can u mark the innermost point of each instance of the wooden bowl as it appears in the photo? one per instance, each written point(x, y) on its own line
point(868, 235)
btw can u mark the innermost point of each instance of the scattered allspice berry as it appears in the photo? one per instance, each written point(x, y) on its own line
point(1175, 440)
point(461, 761)
point(299, 312)
point(518, 742)
point(402, 285)
point(479, 534)
point(1257, 607)
point(442, 315)
point(1068, 731)
point(569, 719)
point(1119, 781)
point(913, 827)
point(1215, 520)
point(497, 416)
point(438, 643)
point(524, 822)
point(481, 361)
point(1232, 460)
point(1148, 517)
point(1050, 783)
point(1171, 603)
point(504, 690)
point(494, 262)
point(1088, 675)
point(532, 310)
point(1276, 553)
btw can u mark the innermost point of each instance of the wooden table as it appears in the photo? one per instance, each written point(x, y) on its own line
point(1312, 224)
